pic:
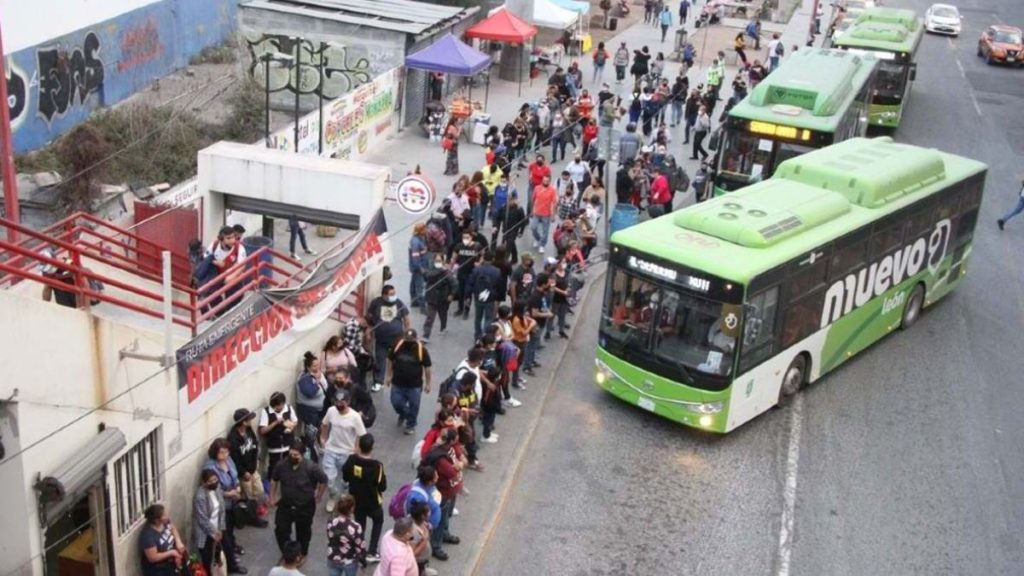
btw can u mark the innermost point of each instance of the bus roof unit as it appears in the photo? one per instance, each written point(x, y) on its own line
point(880, 31)
point(808, 90)
point(869, 173)
point(906, 18)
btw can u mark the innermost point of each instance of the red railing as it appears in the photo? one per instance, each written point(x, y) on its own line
point(81, 237)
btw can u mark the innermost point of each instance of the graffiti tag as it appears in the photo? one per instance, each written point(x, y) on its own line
point(139, 44)
point(17, 94)
point(67, 78)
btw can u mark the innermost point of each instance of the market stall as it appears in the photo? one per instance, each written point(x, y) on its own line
point(450, 56)
point(503, 26)
point(581, 31)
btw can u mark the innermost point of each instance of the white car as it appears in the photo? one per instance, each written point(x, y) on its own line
point(943, 19)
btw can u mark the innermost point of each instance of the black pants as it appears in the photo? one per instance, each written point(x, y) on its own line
point(664, 31)
point(272, 459)
point(378, 521)
point(206, 554)
point(439, 310)
point(301, 517)
point(228, 542)
point(698, 144)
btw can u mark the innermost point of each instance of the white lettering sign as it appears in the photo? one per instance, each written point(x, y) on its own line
point(653, 269)
point(857, 289)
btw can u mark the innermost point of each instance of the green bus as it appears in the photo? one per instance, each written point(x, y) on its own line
point(816, 97)
point(717, 312)
point(893, 35)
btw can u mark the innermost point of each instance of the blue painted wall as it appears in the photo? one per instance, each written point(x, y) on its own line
point(56, 85)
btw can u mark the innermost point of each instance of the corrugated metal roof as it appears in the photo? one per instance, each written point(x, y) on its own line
point(399, 15)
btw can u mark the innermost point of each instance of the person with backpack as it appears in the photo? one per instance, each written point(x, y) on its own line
point(338, 433)
point(310, 398)
point(776, 50)
point(408, 376)
point(367, 483)
point(277, 425)
point(499, 200)
point(422, 489)
point(600, 58)
point(621, 61)
point(467, 396)
point(446, 463)
point(483, 286)
point(389, 318)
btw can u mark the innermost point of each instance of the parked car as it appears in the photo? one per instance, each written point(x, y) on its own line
point(943, 19)
point(1001, 44)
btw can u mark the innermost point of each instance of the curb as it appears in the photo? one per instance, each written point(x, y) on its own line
point(517, 458)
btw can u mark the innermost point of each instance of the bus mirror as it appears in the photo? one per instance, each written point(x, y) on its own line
point(752, 329)
point(913, 72)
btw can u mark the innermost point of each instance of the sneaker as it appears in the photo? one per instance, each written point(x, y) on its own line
point(449, 539)
point(376, 387)
point(522, 383)
point(455, 511)
point(1000, 223)
point(401, 420)
point(513, 403)
point(492, 439)
point(440, 555)
point(410, 430)
point(528, 372)
point(295, 256)
point(428, 571)
point(372, 558)
point(475, 466)
point(540, 249)
point(311, 252)
point(331, 503)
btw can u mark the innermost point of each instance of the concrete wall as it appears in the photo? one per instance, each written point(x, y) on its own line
point(61, 379)
point(368, 52)
point(59, 72)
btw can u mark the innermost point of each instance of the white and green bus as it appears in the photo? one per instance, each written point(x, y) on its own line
point(717, 312)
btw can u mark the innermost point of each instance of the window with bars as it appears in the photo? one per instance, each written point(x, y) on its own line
point(137, 481)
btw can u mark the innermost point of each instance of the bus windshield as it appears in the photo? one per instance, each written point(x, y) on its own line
point(891, 80)
point(686, 332)
point(748, 158)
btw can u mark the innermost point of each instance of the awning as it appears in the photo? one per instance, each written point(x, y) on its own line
point(81, 468)
point(548, 15)
point(573, 5)
point(502, 26)
point(449, 55)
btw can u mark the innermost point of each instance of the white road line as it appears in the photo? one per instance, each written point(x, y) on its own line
point(977, 107)
point(789, 488)
point(963, 74)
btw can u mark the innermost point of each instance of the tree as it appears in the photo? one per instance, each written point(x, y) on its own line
point(83, 150)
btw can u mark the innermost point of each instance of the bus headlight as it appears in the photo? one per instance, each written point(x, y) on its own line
point(600, 377)
point(601, 373)
point(707, 408)
point(705, 421)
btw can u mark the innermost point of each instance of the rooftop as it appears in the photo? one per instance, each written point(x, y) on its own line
point(405, 16)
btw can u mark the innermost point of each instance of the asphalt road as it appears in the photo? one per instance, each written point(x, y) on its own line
point(907, 460)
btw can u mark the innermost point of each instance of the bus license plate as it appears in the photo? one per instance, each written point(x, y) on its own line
point(646, 404)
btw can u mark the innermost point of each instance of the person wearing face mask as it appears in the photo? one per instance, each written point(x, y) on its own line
point(310, 394)
point(441, 287)
point(561, 134)
point(464, 256)
point(276, 426)
point(513, 225)
point(560, 297)
point(340, 430)
point(208, 520)
point(296, 486)
point(389, 318)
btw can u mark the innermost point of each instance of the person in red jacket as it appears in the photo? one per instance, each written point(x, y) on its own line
point(661, 194)
point(445, 460)
point(589, 134)
point(539, 169)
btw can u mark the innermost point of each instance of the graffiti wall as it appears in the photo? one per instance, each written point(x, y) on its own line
point(57, 84)
point(354, 124)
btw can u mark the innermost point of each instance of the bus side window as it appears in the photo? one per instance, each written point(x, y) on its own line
point(806, 276)
point(759, 328)
point(802, 318)
point(887, 237)
point(847, 256)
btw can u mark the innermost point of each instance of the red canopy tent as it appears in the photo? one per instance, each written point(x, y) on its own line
point(504, 26)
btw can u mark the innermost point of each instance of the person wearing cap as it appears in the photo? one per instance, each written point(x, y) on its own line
point(408, 375)
point(245, 452)
point(341, 428)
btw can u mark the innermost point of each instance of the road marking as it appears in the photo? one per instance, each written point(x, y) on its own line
point(789, 487)
point(977, 107)
point(963, 74)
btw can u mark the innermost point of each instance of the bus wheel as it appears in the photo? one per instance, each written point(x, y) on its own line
point(912, 311)
point(793, 380)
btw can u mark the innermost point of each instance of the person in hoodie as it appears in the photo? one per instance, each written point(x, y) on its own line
point(513, 225)
point(367, 483)
point(483, 286)
point(310, 396)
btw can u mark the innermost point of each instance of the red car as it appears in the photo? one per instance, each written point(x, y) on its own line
point(1001, 44)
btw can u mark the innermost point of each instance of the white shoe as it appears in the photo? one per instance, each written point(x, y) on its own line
point(428, 571)
point(376, 387)
point(513, 403)
point(311, 252)
point(372, 558)
point(295, 256)
point(455, 511)
point(540, 249)
point(331, 503)
point(492, 439)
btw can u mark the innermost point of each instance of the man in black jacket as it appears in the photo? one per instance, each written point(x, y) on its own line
point(245, 452)
point(366, 483)
point(512, 224)
point(441, 287)
point(483, 285)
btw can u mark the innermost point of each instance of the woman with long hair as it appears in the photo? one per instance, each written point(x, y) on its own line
point(450, 143)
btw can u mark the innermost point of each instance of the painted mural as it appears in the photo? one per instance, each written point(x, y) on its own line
point(341, 71)
point(56, 85)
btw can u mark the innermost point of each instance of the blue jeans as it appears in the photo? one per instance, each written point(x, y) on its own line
point(417, 288)
point(774, 63)
point(1016, 209)
point(437, 535)
point(406, 402)
point(380, 359)
point(332, 463)
point(483, 316)
point(339, 569)
point(677, 112)
point(598, 72)
point(297, 232)
point(478, 212)
point(540, 228)
point(530, 354)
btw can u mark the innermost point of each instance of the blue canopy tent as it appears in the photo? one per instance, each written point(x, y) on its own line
point(449, 55)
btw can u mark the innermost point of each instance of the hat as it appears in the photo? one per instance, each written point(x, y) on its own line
point(242, 415)
point(410, 334)
point(515, 194)
point(341, 395)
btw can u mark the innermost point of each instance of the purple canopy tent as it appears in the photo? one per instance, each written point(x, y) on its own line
point(449, 55)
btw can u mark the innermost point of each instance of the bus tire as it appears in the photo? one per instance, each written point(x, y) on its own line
point(793, 379)
point(912, 311)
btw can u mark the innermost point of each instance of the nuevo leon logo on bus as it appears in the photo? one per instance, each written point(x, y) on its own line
point(852, 292)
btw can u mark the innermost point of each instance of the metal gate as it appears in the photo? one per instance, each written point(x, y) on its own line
point(171, 228)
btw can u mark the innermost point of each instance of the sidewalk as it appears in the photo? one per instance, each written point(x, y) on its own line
point(409, 149)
